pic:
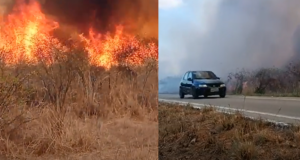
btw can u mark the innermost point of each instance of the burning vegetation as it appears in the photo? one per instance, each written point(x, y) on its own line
point(27, 34)
point(66, 80)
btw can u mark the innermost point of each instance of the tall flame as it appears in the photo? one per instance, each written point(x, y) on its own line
point(27, 31)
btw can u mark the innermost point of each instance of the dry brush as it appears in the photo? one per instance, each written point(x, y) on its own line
point(59, 109)
point(266, 81)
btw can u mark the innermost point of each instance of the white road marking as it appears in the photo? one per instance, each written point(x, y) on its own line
point(256, 97)
point(267, 98)
point(198, 105)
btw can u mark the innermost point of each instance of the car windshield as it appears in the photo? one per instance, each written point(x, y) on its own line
point(204, 75)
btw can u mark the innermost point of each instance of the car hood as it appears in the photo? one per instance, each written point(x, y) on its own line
point(208, 81)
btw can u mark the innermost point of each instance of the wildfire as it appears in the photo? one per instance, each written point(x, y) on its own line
point(26, 34)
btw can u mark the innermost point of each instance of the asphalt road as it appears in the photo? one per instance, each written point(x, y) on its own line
point(283, 109)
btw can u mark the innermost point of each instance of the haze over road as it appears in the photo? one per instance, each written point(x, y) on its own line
point(283, 109)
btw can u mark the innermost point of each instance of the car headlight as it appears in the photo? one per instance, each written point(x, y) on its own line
point(202, 85)
point(222, 85)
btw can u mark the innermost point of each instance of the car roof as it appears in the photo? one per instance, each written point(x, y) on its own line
point(200, 71)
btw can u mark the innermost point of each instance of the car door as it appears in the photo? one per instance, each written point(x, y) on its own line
point(183, 82)
point(189, 84)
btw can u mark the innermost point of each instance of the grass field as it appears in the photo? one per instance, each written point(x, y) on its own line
point(73, 110)
point(188, 133)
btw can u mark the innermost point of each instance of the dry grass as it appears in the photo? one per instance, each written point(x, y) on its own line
point(71, 110)
point(188, 133)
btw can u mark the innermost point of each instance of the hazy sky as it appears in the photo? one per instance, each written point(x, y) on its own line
point(176, 15)
point(223, 35)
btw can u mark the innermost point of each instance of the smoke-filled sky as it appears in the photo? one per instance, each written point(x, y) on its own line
point(223, 35)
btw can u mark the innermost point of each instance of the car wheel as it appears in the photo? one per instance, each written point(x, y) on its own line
point(181, 94)
point(194, 94)
point(205, 96)
point(222, 95)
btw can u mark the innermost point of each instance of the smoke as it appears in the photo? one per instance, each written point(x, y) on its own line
point(4, 5)
point(136, 16)
point(224, 35)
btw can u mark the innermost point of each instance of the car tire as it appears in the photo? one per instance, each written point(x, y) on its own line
point(194, 94)
point(222, 95)
point(181, 94)
point(205, 96)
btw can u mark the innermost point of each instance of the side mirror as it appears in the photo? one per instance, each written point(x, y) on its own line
point(218, 77)
point(189, 79)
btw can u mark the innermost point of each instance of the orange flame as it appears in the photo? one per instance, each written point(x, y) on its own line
point(27, 31)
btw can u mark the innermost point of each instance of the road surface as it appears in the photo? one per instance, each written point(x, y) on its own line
point(282, 109)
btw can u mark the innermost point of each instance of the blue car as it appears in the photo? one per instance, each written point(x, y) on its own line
point(201, 83)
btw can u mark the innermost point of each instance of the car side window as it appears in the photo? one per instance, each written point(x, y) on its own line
point(185, 77)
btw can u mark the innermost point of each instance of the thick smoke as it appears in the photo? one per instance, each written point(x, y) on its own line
point(240, 34)
point(136, 16)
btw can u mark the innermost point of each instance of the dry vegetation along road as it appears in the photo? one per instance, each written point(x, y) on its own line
point(283, 109)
